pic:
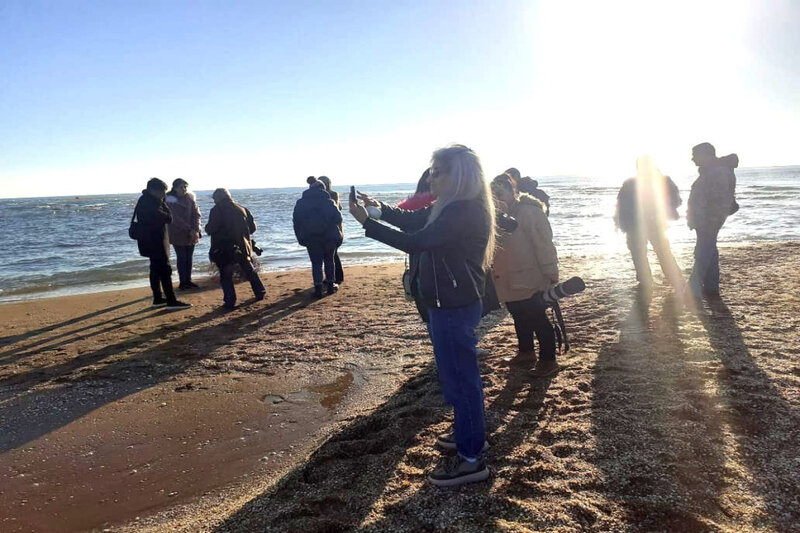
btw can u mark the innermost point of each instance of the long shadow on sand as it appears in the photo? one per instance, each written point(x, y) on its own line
point(659, 439)
point(765, 425)
point(77, 387)
point(663, 414)
point(69, 336)
point(337, 487)
point(11, 339)
point(73, 335)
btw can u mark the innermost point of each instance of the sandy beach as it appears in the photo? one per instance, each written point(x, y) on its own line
point(293, 414)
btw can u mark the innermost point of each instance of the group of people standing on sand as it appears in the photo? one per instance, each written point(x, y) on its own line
point(161, 218)
point(646, 203)
point(462, 234)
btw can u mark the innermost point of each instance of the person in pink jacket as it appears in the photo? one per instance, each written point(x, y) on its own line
point(184, 230)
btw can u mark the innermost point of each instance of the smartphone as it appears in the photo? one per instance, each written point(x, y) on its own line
point(353, 194)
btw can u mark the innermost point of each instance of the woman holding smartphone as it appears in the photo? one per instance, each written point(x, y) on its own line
point(455, 241)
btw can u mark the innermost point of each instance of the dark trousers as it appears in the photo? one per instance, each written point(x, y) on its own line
point(322, 253)
point(161, 277)
point(226, 281)
point(705, 272)
point(637, 244)
point(453, 336)
point(183, 256)
point(337, 264)
point(530, 319)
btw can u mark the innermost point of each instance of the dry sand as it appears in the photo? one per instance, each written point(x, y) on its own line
point(301, 415)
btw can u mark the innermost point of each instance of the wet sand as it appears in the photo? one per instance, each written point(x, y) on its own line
point(296, 415)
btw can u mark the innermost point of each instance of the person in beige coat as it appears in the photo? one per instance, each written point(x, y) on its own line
point(525, 262)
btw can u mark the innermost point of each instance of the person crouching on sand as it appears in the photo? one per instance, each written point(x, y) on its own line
point(526, 262)
point(230, 227)
point(317, 222)
point(152, 216)
point(455, 243)
point(184, 230)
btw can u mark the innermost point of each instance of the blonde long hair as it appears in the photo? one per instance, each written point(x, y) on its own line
point(464, 168)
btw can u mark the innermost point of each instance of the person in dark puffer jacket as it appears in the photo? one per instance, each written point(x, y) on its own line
point(317, 226)
point(455, 242)
point(153, 215)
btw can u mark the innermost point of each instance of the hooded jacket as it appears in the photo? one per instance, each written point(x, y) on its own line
point(316, 218)
point(152, 215)
point(230, 226)
point(451, 249)
point(185, 226)
point(525, 260)
point(712, 197)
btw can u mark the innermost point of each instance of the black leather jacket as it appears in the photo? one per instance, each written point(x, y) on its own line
point(451, 249)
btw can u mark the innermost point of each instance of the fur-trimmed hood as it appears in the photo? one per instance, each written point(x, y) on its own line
point(526, 199)
point(174, 199)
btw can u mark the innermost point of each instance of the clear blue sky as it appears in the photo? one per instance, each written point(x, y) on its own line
point(98, 96)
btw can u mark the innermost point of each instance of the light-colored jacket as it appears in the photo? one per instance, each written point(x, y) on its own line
point(525, 260)
point(184, 230)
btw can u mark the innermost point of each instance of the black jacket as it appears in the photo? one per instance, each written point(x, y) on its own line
point(153, 215)
point(316, 218)
point(627, 213)
point(230, 226)
point(451, 249)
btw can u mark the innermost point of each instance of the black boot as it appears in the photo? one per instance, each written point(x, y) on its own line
point(332, 287)
point(317, 291)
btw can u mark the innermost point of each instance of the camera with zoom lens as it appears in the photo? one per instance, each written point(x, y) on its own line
point(550, 296)
point(256, 250)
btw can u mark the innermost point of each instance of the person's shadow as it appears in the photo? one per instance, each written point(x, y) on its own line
point(765, 425)
point(659, 441)
point(335, 489)
point(32, 412)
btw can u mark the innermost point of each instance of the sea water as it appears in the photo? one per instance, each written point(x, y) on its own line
point(68, 245)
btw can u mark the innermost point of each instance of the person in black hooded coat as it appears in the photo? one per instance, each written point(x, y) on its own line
point(152, 216)
point(317, 226)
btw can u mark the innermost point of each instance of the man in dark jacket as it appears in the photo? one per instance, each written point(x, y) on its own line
point(230, 226)
point(644, 204)
point(153, 215)
point(711, 200)
point(317, 226)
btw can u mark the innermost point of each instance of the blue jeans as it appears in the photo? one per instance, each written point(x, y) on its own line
point(226, 280)
point(183, 255)
point(321, 253)
point(454, 340)
point(705, 272)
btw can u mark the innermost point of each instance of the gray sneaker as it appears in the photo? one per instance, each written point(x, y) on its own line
point(456, 470)
point(446, 441)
